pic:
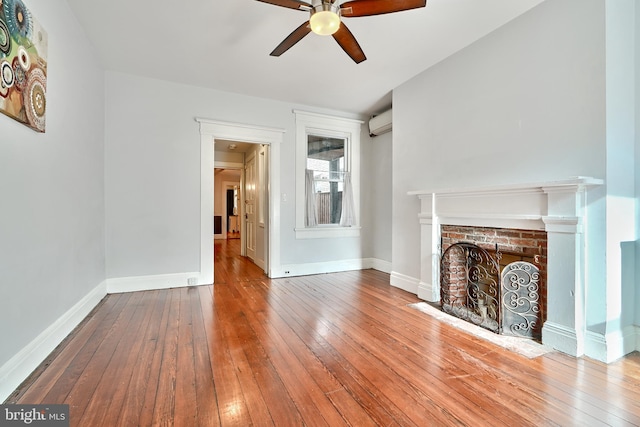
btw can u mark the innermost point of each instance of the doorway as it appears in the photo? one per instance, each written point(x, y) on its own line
point(211, 130)
point(231, 211)
point(226, 212)
point(241, 198)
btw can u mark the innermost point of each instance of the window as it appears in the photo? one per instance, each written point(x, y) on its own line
point(327, 176)
point(327, 165)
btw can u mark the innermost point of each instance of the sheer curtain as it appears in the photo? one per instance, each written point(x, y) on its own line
point(311, 214)
point(348, 216)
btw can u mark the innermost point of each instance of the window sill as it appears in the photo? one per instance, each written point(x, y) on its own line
point(327, 232)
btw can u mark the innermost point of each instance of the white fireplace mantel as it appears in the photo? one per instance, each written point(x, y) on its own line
point(557, 207)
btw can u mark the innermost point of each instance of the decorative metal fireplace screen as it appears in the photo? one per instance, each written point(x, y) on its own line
point(473, 288)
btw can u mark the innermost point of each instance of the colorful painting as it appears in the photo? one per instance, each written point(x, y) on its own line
point(23, 65)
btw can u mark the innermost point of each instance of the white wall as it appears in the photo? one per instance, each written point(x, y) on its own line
point(377, 195)
point(548, 96)
point(523, 104)
point(52, 214)
point(637, 162)
point(153, 176)
point(620, 202)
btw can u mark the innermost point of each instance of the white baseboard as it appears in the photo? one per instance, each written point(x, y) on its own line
point(380, 265)
point(611, 346)
point(407, 283)
point(260, 263)
point(147, 283)
point(290, 270)
point(427, 292)
point(561, 338)
point(319, 268)
point(595, 346)
point(20, 366)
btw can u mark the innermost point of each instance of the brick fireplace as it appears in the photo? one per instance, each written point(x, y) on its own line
point(525, 213)
point(495, 278)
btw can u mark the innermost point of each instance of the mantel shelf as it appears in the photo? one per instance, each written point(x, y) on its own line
point(577, 183)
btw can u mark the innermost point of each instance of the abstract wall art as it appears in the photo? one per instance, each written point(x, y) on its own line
point(23, 65)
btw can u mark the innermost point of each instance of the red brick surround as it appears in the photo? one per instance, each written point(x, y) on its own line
point(514, 245)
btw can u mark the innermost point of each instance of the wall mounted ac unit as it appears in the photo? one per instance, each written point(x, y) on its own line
point(380, 123)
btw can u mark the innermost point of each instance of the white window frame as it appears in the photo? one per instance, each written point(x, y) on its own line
point(334, 127)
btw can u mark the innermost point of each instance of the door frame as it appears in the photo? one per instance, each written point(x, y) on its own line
point(226, 186)
point(226, 165)
point(210, 130)
point(244, 233)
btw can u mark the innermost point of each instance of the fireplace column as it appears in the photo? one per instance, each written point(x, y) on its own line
point(429, 286)
point(565, 326)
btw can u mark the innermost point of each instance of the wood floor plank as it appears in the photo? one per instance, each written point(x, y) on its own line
point(165, 400)
point(333, 355)
point(468, 370)
point(54, 367)
point(520, 392)
point(139, 383)
point(282, 409)
point(304, 389)
point(206, 403)
point(324, 378)
point(186, 409)
point(232, 407)
point(239, 341)
point(108, 397)
point(149, 391)
point(77, 386)
point(458, 371)
point(346, 338)
point(326, 350)
point(73, 358)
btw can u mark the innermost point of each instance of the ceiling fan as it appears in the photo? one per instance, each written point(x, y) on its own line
point(325, 20)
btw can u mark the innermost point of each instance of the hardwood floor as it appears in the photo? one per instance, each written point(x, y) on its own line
point(333, 349)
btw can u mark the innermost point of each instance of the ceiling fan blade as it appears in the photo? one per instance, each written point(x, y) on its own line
point(292, 39)
point(291, 4)
point(349, 44)
point(356, 8)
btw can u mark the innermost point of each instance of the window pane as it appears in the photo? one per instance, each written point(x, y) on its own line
point(326, 157)
point(325, 148)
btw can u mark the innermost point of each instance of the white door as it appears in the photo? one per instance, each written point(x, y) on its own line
point(250, 184)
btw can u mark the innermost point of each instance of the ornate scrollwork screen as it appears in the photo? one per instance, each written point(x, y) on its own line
point(473, 288)
point(470, 285)
point(521, 300)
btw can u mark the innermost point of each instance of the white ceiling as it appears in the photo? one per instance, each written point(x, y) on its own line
point(225, 45)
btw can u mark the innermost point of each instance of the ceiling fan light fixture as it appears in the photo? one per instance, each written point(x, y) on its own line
point(326, 16)
point(325, 22)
